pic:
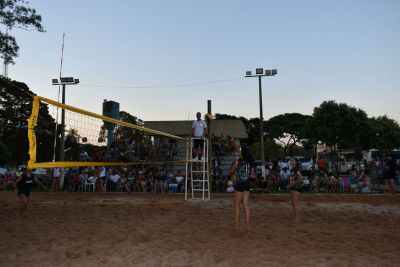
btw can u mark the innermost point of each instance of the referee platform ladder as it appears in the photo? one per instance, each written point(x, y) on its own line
point(199, 172)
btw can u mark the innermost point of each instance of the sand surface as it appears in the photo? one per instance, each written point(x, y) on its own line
point(119, 229)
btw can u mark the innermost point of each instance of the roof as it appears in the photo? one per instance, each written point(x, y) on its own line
point(234, 128)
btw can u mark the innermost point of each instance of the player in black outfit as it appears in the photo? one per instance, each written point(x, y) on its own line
point(389, 172)
point(295, 187)
point(24, 185)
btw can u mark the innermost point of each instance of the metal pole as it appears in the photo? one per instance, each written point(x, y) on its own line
point(261, 128)
point(62, 125)
point(209, 155)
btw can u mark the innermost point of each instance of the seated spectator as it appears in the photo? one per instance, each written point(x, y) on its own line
point(332, 182)
point(180, 180)
point(124, 181)
point(283, 178)
point(322, 177)
point(84, 156)
point(162, 182)
point(141, 182)
point(364, 182)
point(230, 188)
point(113, 180)
point(76, 180)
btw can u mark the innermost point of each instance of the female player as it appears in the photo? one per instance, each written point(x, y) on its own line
point(295, 187)
point(242, 168)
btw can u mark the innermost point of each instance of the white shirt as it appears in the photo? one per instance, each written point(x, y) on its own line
point(199, 127)
point(103, 172)
point(284, 175)
point(56, 172)
point(114, 177)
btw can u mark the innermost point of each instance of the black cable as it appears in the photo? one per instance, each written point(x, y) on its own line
point(162, 86)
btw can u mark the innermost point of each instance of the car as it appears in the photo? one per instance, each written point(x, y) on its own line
point(307, 164)
point(259, 166)
point(39, 171)
point(3, 171)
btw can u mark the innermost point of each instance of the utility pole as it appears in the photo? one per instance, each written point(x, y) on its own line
point(259, 74)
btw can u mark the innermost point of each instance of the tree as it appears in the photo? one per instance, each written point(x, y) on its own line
point(384, 133)
point(72, 144)
point(15, 109)
point(339, 124)
point(4, 155)
point(288, 130)
point(123, 132)
point(15, 14)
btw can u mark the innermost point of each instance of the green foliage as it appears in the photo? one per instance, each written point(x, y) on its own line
point(339, 124)
point(122, 132)
point(15, 14)
point(15, 109)
point(384, 133)
point(5, 155)
point(288, 129)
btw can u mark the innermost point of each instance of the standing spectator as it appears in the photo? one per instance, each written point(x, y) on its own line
point(389, 172)
point(242, 168)
point(199, 127)
point(56, 179)
point(321, 164)
point(100, 183)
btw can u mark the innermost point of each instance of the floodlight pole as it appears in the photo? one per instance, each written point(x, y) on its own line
point(259, 73)
point(63, 81)
point(261, 128)
point(62, 145)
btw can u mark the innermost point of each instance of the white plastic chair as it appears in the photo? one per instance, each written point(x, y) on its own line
point(90, 183)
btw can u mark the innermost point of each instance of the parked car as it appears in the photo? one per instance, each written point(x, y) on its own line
point(3, 171)
point(259, 166)
point(307, 164)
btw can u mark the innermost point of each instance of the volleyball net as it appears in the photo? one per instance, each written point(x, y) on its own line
point(85, 142)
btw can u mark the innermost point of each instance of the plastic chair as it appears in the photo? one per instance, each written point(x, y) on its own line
point(90, 183)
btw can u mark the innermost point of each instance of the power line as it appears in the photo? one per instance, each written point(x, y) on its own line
point(163, 86)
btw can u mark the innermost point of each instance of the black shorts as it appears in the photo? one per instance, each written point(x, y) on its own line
point(198, 143)
point(27, 193)
point(297, 187)
point(242, 186)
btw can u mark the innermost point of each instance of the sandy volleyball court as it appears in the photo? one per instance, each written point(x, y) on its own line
point(89, 229)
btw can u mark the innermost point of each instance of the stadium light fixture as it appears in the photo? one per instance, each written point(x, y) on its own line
point(63, 81)
point(259, 73)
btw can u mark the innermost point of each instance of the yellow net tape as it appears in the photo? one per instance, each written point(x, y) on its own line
point(108, 119)
point(32, 122)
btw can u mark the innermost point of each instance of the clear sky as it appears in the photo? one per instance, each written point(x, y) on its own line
point(347, 51)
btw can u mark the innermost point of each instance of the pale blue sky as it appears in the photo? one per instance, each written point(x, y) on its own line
point(348, 51)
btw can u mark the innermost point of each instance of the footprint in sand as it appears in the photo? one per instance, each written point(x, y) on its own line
point(72, 255)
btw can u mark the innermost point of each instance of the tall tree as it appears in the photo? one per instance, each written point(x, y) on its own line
point(15, 109)
point(384, 133)
point(16, 14)
point(340, 124)
point(288, 129)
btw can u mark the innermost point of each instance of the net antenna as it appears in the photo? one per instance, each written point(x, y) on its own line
point(58, 100)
